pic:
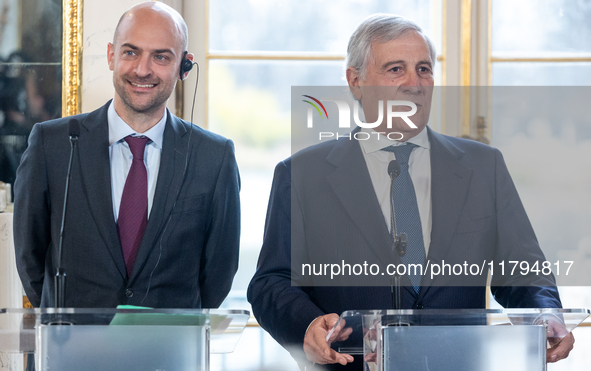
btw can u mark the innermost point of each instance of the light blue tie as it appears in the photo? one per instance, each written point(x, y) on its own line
point(406, 211)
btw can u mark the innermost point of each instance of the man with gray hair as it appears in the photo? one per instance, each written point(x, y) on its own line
point(453, 197)
point(153, 217)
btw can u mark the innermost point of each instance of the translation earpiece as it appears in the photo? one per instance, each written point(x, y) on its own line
point(186, 65)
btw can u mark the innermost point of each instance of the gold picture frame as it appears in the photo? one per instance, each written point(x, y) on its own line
point(72, 57)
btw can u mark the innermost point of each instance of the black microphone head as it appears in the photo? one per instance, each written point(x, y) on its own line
point(402, 241)
point(74, 128)
point(393, 169)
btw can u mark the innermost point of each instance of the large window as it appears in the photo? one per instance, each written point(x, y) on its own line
point(544, 43)
point(541, 50)
point(547, 44)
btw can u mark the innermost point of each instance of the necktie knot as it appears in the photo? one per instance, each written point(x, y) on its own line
point(137, 146)
point(401, 152)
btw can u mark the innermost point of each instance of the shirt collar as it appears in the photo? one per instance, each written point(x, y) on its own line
point(377, 142)
point(118, 129)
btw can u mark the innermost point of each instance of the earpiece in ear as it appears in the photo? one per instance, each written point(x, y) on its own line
point(186, 65)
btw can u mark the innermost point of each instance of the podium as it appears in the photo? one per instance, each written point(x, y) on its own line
point(117, 339)
point(458, 340)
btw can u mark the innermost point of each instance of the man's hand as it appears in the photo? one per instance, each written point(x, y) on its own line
point(561, 342)
point(316, 347)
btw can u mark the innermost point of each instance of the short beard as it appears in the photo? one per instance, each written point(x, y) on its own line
point(145, 109)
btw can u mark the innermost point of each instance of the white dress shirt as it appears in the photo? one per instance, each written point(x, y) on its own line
point(121, 157)
point(419, 168)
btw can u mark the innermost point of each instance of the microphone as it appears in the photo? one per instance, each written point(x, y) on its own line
point(400, 241)
point(60, 277)
point(74, 129)
point(393, 169)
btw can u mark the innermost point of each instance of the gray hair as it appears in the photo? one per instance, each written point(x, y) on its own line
point(380, 28)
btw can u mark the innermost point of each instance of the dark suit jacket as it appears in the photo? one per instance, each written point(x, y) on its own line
point(189, 252)
point(322, 200)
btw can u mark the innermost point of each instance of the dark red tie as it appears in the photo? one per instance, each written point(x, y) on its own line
point(133, 210)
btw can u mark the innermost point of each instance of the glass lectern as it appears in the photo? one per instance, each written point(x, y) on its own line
point(458, 340)
point(117, 339)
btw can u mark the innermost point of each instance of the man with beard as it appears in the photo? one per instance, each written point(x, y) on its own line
point(153, 211)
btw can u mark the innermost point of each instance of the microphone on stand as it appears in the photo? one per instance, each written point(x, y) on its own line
point(60, 277)
point(399, 241)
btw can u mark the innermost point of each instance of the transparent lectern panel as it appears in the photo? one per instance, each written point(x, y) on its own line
point(122, 348)
point(17, 331)
point(455, 348)
point(115, 339)
point(378, 335)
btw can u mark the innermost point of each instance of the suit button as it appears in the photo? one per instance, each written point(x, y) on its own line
point(420, 306)
point(129, 293)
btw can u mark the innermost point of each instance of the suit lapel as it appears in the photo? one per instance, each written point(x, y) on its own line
point(450, 181)
point(93, 152)
point(170, 177)
point(351, 183)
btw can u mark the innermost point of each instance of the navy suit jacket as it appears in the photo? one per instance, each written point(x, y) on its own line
point(189, 252)
point(322, 199)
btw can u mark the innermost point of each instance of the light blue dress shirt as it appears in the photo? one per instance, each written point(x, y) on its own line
point(121, 157)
